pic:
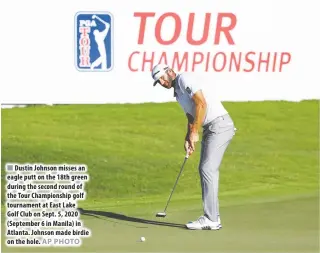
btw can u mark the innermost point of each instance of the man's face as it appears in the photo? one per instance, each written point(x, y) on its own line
point(166, 80)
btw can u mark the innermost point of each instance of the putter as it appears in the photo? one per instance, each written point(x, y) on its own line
point(163, 214)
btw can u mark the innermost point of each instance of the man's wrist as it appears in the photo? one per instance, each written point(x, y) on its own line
point(193, 129)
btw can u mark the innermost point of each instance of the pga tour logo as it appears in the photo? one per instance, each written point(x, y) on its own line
point(94, 41)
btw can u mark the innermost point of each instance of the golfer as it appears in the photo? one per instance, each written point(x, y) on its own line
point(203, 110)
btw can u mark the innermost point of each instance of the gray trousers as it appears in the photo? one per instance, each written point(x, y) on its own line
point(216, 137)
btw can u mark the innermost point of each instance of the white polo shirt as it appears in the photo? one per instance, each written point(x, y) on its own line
point(187, 84)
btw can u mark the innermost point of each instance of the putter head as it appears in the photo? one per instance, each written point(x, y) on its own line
point(161, 215)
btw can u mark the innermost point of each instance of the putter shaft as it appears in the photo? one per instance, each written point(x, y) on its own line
point(175, 184)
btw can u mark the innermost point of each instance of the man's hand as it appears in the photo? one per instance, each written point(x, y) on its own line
point(193, 138)
point(187, 147)
point(190, 143)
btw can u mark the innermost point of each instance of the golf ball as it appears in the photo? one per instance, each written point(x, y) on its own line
point(142, 239)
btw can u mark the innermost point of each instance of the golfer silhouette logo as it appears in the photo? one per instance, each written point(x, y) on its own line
point(94, 41)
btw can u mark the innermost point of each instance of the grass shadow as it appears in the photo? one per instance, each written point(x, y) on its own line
point(122, 217)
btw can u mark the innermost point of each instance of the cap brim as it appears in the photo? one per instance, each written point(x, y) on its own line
point(155, 83)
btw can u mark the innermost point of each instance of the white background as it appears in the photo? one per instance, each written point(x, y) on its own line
point(37, 50)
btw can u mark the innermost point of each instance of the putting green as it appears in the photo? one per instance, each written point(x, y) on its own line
point(278, 225)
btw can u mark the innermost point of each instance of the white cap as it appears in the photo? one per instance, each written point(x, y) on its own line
point(158, 71)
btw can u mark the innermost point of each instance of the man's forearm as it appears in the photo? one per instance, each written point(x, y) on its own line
point(189, 125)
point(199, 116)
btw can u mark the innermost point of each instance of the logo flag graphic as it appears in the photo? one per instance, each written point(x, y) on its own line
point(94, 41)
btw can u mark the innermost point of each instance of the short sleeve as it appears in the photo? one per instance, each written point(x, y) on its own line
point(190, 83)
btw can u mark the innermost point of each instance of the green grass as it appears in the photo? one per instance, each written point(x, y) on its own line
point(134, 153)
point(260, 227)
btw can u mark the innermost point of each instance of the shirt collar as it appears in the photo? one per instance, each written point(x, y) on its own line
point(176, 85)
